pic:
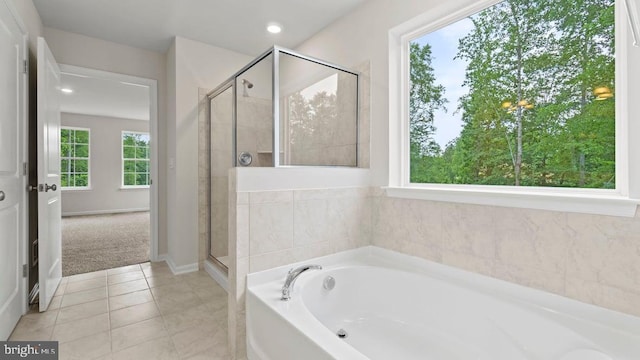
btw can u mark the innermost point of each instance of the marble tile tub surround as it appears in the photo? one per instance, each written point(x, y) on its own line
point(590, 258)
point(274, 228)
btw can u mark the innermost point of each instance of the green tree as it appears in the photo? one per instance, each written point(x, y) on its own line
point(530, 116)
point(425, 98)
point(508, 56)
point(587, 63)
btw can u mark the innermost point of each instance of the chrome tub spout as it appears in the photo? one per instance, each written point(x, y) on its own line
point(292, 276)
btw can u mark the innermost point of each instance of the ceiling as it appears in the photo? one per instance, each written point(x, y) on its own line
point(238, 25)
point(102, 97)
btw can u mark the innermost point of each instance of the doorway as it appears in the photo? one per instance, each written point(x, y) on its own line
point(108, 155)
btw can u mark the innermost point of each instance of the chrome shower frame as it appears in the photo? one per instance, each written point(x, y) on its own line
point(276, 51)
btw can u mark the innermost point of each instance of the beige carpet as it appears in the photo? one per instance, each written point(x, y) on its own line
point(98, 242)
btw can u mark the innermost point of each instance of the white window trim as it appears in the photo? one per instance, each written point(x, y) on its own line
point(122, 185)
point(622, 201)
point(79, 188)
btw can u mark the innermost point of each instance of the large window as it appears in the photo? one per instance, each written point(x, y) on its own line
point(521, 93)
point(135, 159)
point(74, 158)
point(518, 103)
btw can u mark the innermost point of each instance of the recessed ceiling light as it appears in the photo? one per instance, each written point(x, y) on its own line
point(274, 28)
point(66, 90)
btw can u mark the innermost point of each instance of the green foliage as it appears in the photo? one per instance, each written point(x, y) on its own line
point(82, 151)
point(129, 152)
point(425, 98)
point(142, 166)
point(129, 139)
point(81, 180)
point(546, 55)
point(81, 137)
point(74, 155)
point(129, 166)
point(129, 179)
point(135, 153)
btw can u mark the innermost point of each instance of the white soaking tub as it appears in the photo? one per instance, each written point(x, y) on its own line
point(392, 306)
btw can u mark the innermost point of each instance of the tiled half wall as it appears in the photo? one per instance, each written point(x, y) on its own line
point(274, 228)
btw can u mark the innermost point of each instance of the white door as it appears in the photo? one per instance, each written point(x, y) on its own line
point(12, 179)
point(49, 209)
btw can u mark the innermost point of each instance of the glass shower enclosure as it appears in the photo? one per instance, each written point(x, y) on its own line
point(281, 109)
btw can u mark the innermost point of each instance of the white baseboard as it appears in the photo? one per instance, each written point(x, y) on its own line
point(160, 258)
point(218, 275)
point(183, 269)
point(101, 212)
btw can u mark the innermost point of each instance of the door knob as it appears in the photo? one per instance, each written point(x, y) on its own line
point(1, 195)
point(51, 187)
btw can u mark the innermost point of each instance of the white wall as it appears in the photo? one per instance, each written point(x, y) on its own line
point(31, 20)
point(105, 195)
point(192, 65)
point(79, 50)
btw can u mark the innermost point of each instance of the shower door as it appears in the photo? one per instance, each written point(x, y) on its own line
point(254, 115)
point(221, 160)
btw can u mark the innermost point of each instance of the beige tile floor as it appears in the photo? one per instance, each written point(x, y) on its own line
point(133, 312)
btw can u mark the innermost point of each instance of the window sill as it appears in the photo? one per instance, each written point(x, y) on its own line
point(76, 188)
point(135, 187)
point(600, 202)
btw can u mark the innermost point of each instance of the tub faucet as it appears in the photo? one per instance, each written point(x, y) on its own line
point(291, 278)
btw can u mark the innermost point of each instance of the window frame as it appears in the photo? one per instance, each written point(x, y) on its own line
point(621, 201)
point(123, 159)
point(88, 158)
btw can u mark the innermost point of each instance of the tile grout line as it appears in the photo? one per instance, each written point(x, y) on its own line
point(109, 316)
point(55, 323)
point(162, 316)
point(164, 320)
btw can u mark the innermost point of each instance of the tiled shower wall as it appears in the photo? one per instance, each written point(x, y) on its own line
point(590, 258)
point(255, 129)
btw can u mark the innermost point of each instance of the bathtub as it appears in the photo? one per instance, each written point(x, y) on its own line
point(387, 305)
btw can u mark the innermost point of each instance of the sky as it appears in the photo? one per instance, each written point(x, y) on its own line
point(450, 74)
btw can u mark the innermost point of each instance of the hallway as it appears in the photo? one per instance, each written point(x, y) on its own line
point(134, 312)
